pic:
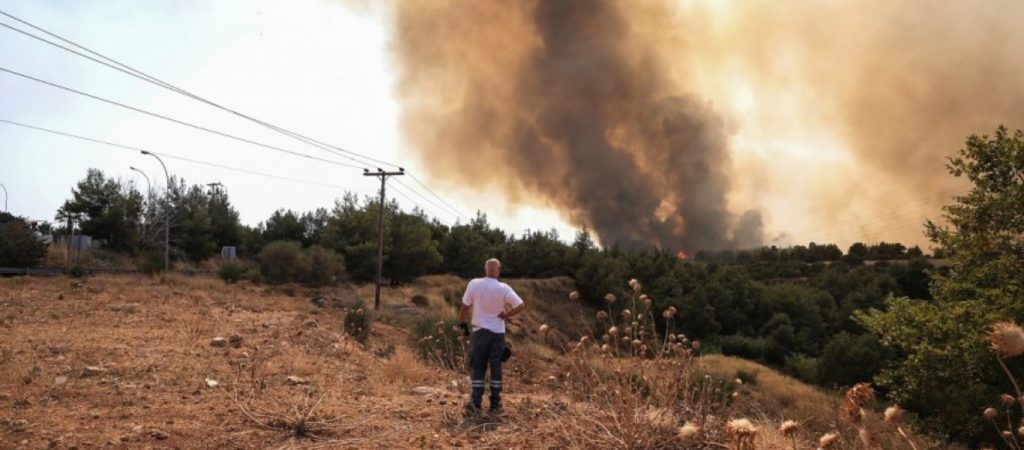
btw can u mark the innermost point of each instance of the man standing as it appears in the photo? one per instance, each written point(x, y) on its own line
point(486, 299)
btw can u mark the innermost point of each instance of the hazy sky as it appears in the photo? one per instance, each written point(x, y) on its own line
point(837, 115)
point(315, 67)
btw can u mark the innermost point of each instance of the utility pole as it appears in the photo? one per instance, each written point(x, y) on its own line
point(167, 214)
point(380, 173)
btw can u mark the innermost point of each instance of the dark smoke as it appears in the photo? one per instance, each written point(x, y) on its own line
point(572, 104)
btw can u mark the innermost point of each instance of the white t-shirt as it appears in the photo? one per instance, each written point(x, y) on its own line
point(488, 297)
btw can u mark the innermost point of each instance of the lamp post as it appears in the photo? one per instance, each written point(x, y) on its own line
point(149, 195)
point(5, 196)
point(149, 185)
point(167, 214)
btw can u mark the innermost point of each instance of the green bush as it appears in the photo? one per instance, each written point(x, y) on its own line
point(150, 262)
point(326, 267)
point(286, 261)
point(19, 246)
point(282, 261)
point(232, 271)
point(76, 272)
point(358, 322)
point(436, 341)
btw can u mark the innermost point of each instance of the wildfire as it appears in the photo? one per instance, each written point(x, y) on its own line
point(682, 255)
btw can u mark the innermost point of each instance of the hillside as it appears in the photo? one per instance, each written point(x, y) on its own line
point(131, 362)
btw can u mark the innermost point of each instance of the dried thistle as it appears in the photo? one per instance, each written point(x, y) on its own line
point(544, 329)
point(574, 296)
point(893, 414)
point(634, 284)
point(601, 315)
point(1007, 400)
point(610, 298)
point(828, 440)
point(789, 428)
point(989, 413)
point(687, 432)
point(1007, 339)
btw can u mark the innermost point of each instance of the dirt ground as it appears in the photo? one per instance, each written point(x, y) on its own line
point(128, 362)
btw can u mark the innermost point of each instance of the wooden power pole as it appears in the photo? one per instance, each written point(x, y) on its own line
point(380, 173)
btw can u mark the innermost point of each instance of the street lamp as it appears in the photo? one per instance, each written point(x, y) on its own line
point(149, 185)
point(149, 195)
point(5, 196)
point(167, 214)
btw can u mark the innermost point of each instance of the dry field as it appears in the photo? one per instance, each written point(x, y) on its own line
point(129, 362)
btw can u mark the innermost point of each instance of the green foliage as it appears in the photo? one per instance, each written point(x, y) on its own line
point(283, 262)
point(288, 262)
point(436, 341)
point(19, 246)
point(850, 359)
point(150, 262)
point(357, 322)
point(325, 267)
point(232, 271)
point(107, 209)
point(945, 372)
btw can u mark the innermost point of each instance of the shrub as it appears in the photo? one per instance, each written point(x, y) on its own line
point(286, 261)
point(150, 262)
point(232, 271)
point(19, 246)
point(282, 261)
point(76, 272)
point(326, 267)
point(358, 322)
point(436, 341)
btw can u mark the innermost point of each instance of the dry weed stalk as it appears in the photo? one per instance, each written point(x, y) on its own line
point(297, 418)
point(1007, 341)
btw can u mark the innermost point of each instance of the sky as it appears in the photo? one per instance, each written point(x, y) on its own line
point(836, 116)
point(319, 68)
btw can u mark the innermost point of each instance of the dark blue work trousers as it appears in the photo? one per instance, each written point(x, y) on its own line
point(486, 350)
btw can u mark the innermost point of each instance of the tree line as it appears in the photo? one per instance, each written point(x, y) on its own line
point(878, 312)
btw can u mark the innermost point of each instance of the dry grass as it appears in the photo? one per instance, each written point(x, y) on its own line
point(150, 339)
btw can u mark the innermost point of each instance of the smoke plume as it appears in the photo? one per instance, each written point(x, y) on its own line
point(575, 104)
point(659, 122)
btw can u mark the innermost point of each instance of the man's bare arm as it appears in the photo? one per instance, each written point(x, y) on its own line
point(466, 313)
point(512, 312)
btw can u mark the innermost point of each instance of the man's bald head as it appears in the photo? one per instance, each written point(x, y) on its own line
point(492, 268)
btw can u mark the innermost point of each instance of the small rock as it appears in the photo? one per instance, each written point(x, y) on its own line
point(320, 302)
point(310, 323)
point(18, 426)
point(157, 434)
point(211, 383)
point(425, 412)
point(293, 380)
point(60, 380)
point(235, 340)
point(137, 429)
point(91, 371)
point(218, 342)
point(426, 390)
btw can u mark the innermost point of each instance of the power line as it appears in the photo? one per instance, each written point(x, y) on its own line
point(426, 199)
point(129, 70)
point(172, 156)
point(177, 121)
point(451, 208)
